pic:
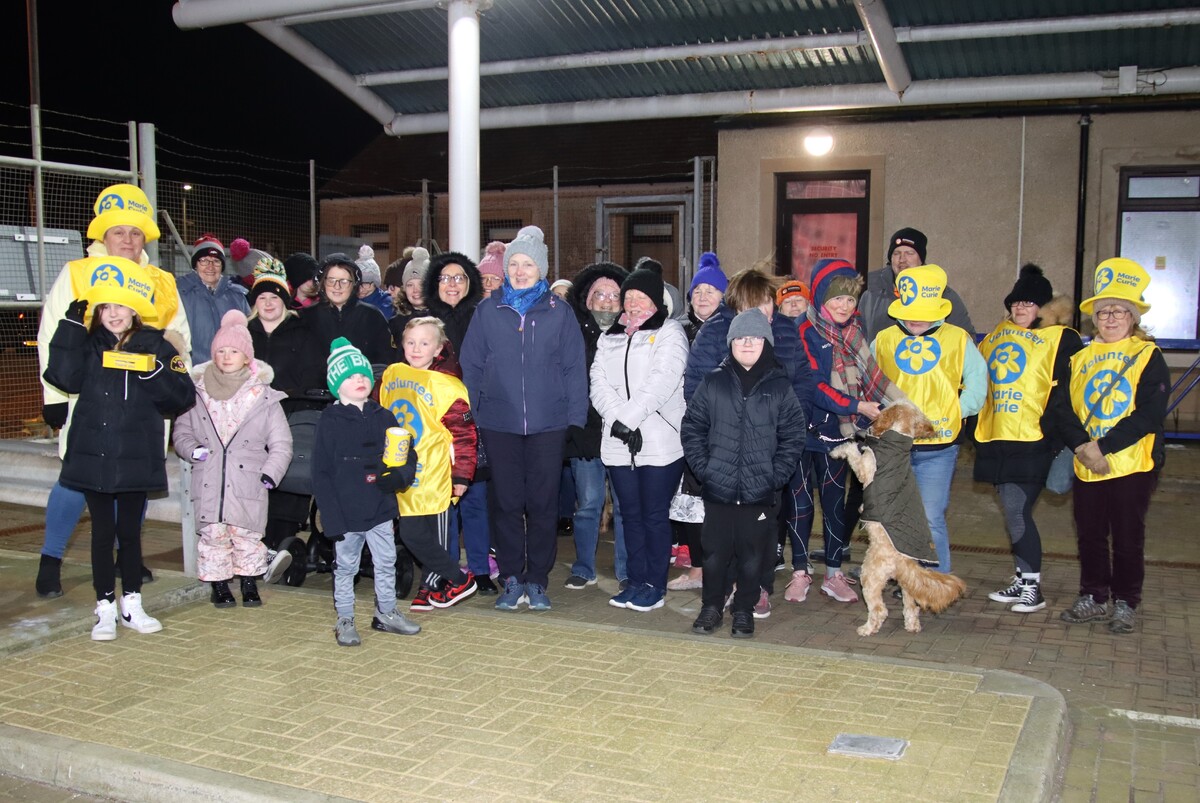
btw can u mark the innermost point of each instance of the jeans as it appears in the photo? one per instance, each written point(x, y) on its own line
point(566, 493)
point(63, 511)
point(935, 470)
point(476, 527)
point(645, 493)
point(590, 484)
point(382, 544)
point(620, 555)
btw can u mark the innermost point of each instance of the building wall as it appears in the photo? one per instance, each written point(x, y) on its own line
point(991, 194)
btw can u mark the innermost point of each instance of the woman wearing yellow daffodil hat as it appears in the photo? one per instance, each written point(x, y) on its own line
point(1028, 358)
point(936, 365)
point(1119, 387)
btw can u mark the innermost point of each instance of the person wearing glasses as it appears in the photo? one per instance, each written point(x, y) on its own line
point(453, 289)
point(207, 294)
point(340, 314)
point(1028, 359)
point(1121, 381)
point(596, 298)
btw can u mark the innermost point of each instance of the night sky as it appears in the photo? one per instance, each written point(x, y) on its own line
point(222, 87)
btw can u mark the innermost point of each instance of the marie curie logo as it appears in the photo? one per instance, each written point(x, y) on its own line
point(110, 201)
point(1104, 278)
point(1109, 394)
point(908, 290)
point(1007, 364)
point(407, 417)
point(916, 355)
point(108, 274)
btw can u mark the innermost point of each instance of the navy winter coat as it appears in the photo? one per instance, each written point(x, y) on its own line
point(115, 442)
point(743, 448)
point(347, 461)
point(526, 375)
point(709, 349)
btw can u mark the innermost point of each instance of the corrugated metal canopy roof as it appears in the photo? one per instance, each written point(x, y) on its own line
point(560, 61)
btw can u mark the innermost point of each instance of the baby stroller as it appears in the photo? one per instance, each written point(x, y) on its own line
point(317, 553)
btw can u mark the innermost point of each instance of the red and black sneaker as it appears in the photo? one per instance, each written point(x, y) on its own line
point(451, 594)
point(421, 601)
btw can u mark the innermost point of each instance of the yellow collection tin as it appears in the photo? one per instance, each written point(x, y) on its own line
point(128, 361)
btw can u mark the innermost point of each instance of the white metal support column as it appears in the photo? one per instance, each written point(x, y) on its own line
point(463, 57)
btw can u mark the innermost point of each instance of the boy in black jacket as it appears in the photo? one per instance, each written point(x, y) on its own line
point(742, 436)
point(356, 492)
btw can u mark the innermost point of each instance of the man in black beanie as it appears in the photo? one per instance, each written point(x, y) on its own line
point(906, 249)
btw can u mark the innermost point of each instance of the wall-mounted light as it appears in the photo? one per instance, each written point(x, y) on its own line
point(818, 141)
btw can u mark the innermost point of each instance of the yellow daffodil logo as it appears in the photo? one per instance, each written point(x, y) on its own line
point(1007, 364)
point(1108, 394)
point(916, 355)
point(908, 290)
point(406, 416)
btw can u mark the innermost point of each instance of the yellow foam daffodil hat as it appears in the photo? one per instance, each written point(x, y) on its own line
point(1119, 278)
point(919, 295)
point(123, 205)
point(116, 280)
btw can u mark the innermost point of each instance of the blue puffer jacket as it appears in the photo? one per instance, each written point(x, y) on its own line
point(526, 375)
point(709, 349)
point(205, 308)
point(743, 447)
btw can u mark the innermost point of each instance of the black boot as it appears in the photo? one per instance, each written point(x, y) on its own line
point(250, 597)
point(48, 583)
point(222, 597)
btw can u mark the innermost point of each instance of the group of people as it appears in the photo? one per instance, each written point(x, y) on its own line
point(709, 414)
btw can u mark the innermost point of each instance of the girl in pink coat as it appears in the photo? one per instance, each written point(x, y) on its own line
point(239, 444)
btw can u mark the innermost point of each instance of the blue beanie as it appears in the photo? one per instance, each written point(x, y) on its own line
point(826, 271)
point(709, 272)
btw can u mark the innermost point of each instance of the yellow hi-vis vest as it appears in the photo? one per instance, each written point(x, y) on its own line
point(929, 369)
point(1094, 383)
point(419, 399)
point(166, 296)
point(1020, 377)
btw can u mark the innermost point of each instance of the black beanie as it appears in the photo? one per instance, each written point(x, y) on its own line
point(300, 268)
point(1032, 285)
point(646, 277)
point(914, 239)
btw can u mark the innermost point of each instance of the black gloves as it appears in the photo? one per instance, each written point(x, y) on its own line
point(76, 310)
point(395, 479)
point(631, 438)
point(267, 482)
point(55, 415)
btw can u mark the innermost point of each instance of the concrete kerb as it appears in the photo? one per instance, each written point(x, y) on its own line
point(125, 775)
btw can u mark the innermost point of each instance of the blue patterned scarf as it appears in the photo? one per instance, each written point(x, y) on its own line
point(523, 300)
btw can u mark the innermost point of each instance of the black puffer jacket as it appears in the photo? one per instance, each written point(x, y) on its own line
point(291, 353)
point(115, 443)
point(361, 324)
point(743, 448)
point(458, 317)
point(1028, 462)
point(585, 442)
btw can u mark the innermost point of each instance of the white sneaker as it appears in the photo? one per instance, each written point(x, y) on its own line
point(133, 616)
point(105, 628)
point(277, 564)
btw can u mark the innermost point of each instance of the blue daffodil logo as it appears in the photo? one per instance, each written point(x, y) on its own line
point(108, 274)
point(407, 417)
point(908, 290)
point(1109, 394)
point(916, 355)
point(1007, 364)
point(1104, 278)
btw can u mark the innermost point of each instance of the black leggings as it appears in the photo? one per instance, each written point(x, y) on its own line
point(116, 518)
point(1016, 500)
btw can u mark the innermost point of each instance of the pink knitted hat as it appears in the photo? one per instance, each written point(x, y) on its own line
point(233, 334)
point(493, 260)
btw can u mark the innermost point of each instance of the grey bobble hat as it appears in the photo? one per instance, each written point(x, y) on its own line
point(531, 242)
point(417, 265)
point(750, 323)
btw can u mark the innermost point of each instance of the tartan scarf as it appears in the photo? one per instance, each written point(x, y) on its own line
point(855, 372)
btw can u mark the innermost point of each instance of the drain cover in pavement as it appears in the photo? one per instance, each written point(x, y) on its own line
point(862, 746)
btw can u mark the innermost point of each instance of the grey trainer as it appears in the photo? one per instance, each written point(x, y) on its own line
point(1085, 609)
point(1122, 618)
point(394, 622)
point(346, 632)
